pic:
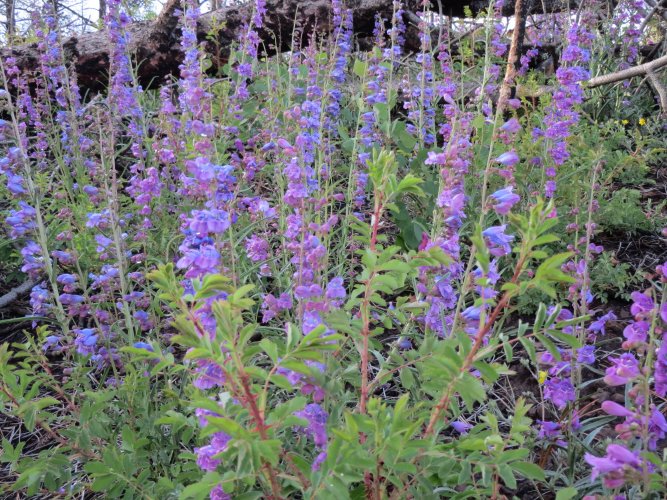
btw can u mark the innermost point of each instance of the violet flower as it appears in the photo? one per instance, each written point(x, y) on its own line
point(505, 200)
point(508, 159)
point(618, 465)
point(599, 325)
point(623, 370)
point(559, 392)
point(498, 241)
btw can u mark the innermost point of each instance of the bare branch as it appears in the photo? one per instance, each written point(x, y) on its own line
point(657, 5)
point(626, 74)
point(15, 293)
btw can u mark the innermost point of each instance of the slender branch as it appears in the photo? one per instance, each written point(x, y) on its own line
point(85, 20)
point(639, 70)
point(467, 363)
point(365, 306)
point(649, 16)
point(657, 5)
point(618, 76)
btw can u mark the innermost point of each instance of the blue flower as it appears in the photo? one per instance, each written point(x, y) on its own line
point(505, 199)
point(498, 241)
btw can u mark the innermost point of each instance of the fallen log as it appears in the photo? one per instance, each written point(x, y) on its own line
point(155, 45)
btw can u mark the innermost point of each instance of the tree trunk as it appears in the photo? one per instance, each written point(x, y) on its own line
point(102, 10)
point(10, 19)
point(156, 48)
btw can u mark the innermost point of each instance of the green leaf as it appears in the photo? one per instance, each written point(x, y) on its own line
point(40, 404)
point(103, 483)
point(360, 68)
point(478, 122)
point(407, 378)
point(566, 493)
point(513, 455)
point(227, 426)
point(470, 389)
point(489, 373)
point(96, 468)
point(566, 338)
point(249, 495)
point(505, 472)
point(509, 351)
point(528, 470)
point(549, 345)
point(547, 238)
point(268, 450)
point(530, 348)
point(394, 265)
point(270, 349)
point(550, 268)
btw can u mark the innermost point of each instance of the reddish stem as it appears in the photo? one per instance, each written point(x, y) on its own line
point(258, 416)
point(365, 330)
point(470, 358)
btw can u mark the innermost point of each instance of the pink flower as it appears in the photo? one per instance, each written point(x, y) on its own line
point(618, 463)
point(615, 409)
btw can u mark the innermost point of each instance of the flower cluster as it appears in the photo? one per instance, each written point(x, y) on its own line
point(644, 423)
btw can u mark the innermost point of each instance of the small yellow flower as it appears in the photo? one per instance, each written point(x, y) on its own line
point(642, 121)
point(542, 376)
point(625, 122)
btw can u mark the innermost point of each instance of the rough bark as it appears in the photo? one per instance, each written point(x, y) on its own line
point(156, 49)
point(513, 64)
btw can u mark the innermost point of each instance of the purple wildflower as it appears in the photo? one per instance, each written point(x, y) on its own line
point(505, 200)
point(317, 423)
point(660, 370)
point(498, 241)
point(624, 369)
point(642, 304)
point(508, 159)
point(586, 355)
point(635, 333)
point(600, 324)
point(218, 493)
point(615, 409)
point(86, 340)
point(615, 466)
point(461, 427)
point(209, 375)
point(559, 392)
